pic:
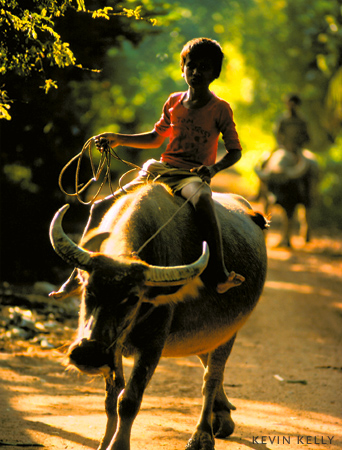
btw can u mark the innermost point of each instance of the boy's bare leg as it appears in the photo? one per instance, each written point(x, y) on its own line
point(201, 199)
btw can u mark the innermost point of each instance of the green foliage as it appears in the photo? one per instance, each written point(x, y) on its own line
point(328, 208)
point(4, 105)
point(21, 175)
point(29, 37)
point(29, 41)
point(292, 47)
point(30, 44)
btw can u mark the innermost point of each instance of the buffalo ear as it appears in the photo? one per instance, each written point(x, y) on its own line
point(95, 242)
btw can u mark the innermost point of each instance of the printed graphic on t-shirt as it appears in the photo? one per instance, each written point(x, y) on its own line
point(194, 133)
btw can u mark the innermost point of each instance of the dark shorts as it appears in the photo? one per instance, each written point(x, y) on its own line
point(157, 171)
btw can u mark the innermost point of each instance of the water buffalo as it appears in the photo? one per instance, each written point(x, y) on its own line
point(289, 180)
point(148, 299)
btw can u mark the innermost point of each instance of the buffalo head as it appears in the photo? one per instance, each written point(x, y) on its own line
point(114, 290)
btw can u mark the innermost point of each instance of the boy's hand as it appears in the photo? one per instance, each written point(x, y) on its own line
point(204, 172)
point(105, 139)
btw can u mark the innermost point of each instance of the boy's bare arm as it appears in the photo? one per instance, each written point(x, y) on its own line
point(207, 172)
point(150, 139)
point(228, 160)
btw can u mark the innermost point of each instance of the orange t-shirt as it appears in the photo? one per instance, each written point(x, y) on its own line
point(193, 133)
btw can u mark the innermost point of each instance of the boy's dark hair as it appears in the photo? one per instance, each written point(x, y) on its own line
point(204, 47)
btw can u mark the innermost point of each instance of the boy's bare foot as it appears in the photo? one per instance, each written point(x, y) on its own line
point(233, 280)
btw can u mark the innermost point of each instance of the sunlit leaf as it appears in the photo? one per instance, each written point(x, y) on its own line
point(4, 114)
point(48, 85)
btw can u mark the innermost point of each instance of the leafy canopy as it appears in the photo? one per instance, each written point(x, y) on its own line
point(30, 44)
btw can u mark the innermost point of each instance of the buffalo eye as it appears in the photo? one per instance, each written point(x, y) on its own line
point(131, 300)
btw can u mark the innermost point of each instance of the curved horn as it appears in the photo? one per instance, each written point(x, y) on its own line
point(64, 247)
point(177, 275)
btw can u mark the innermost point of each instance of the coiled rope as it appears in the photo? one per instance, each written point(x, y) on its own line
point(104, 165)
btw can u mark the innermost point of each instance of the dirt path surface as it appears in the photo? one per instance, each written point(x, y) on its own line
point(284, 375)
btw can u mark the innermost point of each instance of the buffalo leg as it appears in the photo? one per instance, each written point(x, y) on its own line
point(223, 425)
point(203, 437)
point(130, 399)
point(307, 224)
point(287, 227)
point(113, 389)
point(304, 215)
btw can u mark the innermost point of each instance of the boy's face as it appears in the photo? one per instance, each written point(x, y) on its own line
point(198, 71)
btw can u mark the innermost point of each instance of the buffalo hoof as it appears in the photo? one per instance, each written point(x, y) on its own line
point(284, 243)
point(201, 440)
point(91, 356)
point(223, 424)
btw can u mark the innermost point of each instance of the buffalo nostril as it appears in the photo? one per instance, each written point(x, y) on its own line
point(90, 353)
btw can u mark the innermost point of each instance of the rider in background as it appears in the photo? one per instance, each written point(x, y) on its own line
point(292, 134)
point(292, 131)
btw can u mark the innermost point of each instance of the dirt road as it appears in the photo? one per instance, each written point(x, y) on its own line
point(284, 375)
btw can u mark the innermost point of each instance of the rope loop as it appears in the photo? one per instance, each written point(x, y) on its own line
point(103, 168)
